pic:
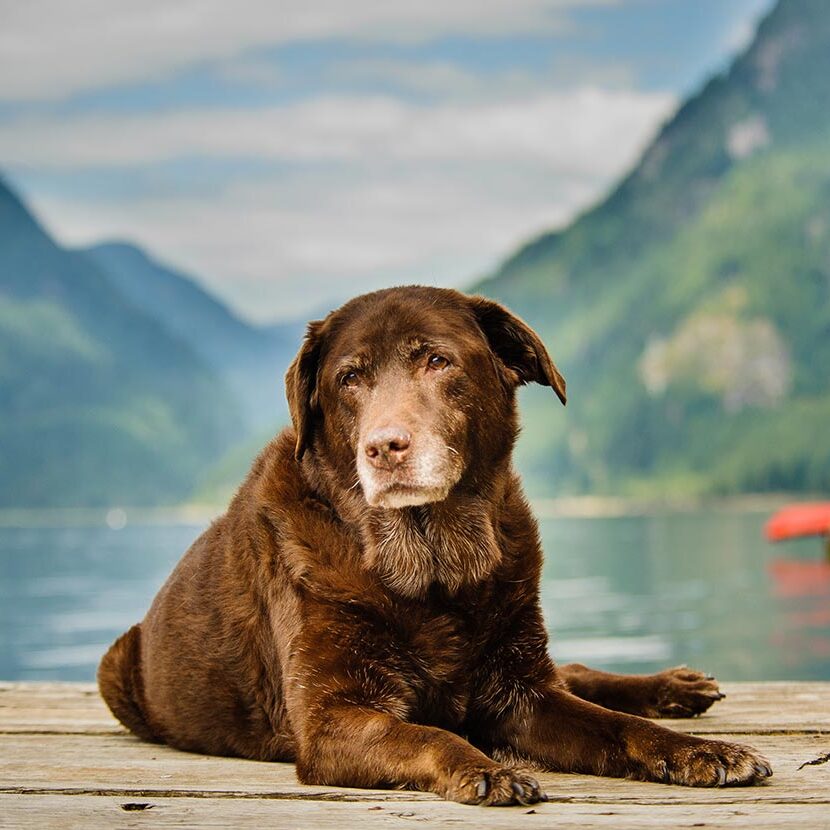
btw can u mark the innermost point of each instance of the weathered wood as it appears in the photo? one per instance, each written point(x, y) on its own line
point(751, 708)
point(66, 763)
point(54, 707)
point(93, 764)
point(96, 813)
point(762, 708)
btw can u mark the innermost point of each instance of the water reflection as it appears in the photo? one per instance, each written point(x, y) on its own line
point(65, 593)
point(632, 594)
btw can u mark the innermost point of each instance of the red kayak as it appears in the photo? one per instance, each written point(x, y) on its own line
point(809, 519)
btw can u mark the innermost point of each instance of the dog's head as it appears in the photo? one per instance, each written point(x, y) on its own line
point(410, 392)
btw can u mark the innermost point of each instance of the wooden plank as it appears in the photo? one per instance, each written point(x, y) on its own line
point(762, 708)
point(749, 708)
point(66, 763)
point(93, 812)
point(120, 764)
point(54, 707)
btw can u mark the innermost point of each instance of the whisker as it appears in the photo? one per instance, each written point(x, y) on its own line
point(451, 449)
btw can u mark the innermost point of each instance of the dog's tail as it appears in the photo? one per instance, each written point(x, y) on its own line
point(120, 684)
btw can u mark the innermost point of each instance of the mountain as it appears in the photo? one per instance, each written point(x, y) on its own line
point(690, 310)
point(250, 359)
point(101, 404)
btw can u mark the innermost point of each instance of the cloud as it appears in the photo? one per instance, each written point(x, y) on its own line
point(50, 49)
point(278, 206)
point(276, 248)
point(450, 81)
point(347, 194)
point(381, 164)
point(589, 130)
point(255, 72)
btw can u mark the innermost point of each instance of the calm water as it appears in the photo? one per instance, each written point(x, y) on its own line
point(633, 594)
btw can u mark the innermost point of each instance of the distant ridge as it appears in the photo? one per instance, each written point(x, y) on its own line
point(102, 404)
point(250, 359)
point(690, 310)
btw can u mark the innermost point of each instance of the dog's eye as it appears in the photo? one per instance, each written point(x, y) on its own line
point(437, 361)
point(350, 379)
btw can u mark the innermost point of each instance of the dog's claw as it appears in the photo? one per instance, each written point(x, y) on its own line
point(519, 792)
point(481, 789)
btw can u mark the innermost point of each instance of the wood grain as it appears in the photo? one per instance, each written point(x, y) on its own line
point(91, 812)
point(66, 763)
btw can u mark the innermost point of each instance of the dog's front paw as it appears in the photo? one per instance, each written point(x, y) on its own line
point(495, 787)
point(682, 693)
point(712, 764)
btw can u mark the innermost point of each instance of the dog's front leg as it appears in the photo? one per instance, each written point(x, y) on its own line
point(523, 710)
point(351, 717)
point(562, 732)
point(354, 746)
point(673, 693)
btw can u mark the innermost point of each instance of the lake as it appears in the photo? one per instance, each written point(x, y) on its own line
point(634, 593)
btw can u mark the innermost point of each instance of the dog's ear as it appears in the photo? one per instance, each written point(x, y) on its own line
point(516, 344)
point(301, 386)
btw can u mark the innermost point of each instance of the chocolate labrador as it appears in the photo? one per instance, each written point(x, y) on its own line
point(368, 607)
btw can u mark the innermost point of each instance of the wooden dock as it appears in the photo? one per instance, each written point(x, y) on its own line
point(65, 763)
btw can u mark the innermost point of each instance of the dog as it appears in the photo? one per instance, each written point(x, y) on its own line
point(368, 607)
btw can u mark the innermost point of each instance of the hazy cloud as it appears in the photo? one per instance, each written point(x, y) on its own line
point(51, 49)
point(374, 190)
point(589, 130)
point(392, 142)
point(277, 248)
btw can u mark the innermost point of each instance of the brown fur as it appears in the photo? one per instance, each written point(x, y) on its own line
point(379, 646)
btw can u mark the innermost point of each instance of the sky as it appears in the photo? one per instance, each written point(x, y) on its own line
point(289, 155)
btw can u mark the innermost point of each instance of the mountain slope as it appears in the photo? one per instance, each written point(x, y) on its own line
point(101, 404)
point(251, 359)
point(690, 311)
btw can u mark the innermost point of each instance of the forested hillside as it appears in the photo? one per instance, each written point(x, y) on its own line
point(101, 403)
point(690, 310)
point(250, 359)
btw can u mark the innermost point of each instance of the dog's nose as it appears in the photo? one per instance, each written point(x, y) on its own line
point(387, 446)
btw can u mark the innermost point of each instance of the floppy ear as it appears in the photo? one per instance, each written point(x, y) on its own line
point(301, 386)
point(517, 345)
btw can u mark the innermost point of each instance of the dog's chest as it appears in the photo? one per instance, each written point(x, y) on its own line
point(438, 651)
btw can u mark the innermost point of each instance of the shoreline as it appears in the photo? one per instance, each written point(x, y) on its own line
point(611, 507)
point(564, 507)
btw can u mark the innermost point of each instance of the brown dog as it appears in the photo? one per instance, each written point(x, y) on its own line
point(369, 605)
